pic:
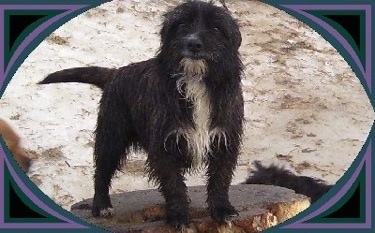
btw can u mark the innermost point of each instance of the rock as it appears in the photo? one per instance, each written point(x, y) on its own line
point(260, 207)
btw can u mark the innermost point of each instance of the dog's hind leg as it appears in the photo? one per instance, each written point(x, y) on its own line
point(113, 140)
point(222, 161)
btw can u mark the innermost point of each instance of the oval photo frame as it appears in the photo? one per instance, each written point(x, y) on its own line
point(298, 11)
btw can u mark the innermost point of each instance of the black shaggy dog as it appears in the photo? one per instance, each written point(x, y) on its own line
point(279, 176)
point(184, 108)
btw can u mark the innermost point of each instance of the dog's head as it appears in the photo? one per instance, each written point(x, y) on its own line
point(195, 34)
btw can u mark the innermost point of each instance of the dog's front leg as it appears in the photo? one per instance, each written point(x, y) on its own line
point(168, 171)
point(222, 161)
point(174, 191)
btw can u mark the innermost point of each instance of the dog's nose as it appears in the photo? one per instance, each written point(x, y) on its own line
point(194, 44)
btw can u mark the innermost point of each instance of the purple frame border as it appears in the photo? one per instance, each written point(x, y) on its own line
point(366, 160)
point(69, 223)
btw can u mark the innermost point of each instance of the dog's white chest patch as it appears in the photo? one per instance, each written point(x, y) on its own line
point(200, 136)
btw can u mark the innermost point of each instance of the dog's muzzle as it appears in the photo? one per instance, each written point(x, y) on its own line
point(195, 58)
point(193, 47)
point(193, 67)
point(193, 44)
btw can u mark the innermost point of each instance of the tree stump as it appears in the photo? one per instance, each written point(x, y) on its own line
point(260, 207)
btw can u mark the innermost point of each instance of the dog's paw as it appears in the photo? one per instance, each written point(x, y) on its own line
point(186, 229)
point(108, 212)
point(179, 221)
point(223, 214)
point(102, 207)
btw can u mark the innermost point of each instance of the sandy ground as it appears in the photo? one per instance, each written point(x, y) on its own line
point(305, 108)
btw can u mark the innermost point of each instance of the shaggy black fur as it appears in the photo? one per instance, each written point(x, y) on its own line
point(98, 76)
point(184, 104)
point(273, 175)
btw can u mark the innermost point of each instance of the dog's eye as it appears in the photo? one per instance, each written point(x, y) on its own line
point(217, 30)
point(182, 27)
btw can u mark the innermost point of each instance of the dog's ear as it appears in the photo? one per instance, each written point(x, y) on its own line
point(169, 21)
point(233, 30)
point(237, 38)
point(165, 27)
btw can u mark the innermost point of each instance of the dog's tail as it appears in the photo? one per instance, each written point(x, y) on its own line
point(98, 76)
point(278, 176)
